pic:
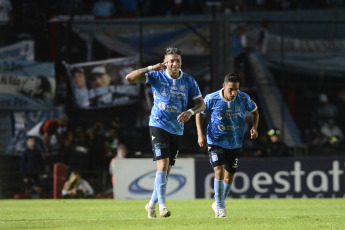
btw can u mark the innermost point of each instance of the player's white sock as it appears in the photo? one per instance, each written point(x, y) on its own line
point(218, 193)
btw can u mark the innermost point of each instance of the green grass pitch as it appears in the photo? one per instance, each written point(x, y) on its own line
point(186, 214)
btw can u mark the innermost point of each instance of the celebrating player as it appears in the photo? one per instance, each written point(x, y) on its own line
point(225, 131)
point(171, 89)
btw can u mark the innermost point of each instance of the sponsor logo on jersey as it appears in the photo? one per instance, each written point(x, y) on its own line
point(162, 105)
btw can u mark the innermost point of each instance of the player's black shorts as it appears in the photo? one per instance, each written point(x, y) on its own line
point(164, 144)
point(228, 157)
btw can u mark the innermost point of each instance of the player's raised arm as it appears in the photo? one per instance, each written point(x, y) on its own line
point(138, 75)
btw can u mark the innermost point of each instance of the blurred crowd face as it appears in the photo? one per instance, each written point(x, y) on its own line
point(79, 80)
point(173, 62)
point(274, 138)
point(121, 152)
point(230, 90)
point(100, 80)
point(31, 143)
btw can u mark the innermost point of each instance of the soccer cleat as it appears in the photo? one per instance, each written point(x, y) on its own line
point(151, 211)
point(215, 209)
point(222, 213)
point(164, 212)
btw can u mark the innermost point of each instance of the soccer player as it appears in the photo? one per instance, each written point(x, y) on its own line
point(227, 109)
point(171, 88)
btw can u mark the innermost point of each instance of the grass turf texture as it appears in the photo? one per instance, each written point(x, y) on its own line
point(186, 214)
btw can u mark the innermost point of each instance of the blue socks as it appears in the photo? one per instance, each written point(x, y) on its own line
point(154, 197)
point(227, 188)
point(160, 187)
point(219, 193)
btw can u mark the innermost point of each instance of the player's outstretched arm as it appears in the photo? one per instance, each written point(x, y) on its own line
point(138, 75)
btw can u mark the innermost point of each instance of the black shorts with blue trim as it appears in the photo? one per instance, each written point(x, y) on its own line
point(164, 144)
point(220, 156)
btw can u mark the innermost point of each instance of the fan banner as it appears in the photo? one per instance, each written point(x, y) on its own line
point(103, 84)
point(26, 85)
point(20, 51)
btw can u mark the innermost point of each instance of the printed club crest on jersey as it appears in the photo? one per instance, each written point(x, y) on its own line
point(164, 92)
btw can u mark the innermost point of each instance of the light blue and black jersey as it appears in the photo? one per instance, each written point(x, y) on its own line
point(170, 99)
point(226, 124)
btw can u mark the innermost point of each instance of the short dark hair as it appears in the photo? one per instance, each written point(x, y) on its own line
point(232, 77)
point(172, 50)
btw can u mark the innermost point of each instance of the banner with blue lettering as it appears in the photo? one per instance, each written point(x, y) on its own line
point(26, 85)
point(102, 84)
point(298, 177)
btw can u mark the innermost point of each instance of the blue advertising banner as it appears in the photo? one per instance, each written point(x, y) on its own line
point(305, 177)
point(26, 85)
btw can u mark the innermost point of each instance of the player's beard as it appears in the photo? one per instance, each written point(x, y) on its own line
point(174, 72)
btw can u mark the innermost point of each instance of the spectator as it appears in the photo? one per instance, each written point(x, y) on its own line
point(31, 163)
point(44, 130)
point(104, 9)
point(77, 187)
point(97, 147)
point(121, 153)
point(65, 149)
point(275, 147)
point(78, 151)
point(263, 37)
point(332, 132)
point(323, 112)
point(112, 143)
